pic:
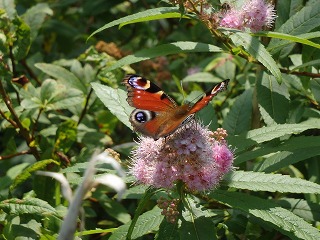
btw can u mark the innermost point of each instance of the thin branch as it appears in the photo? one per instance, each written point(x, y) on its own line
point(15, 154)
point(83, 113)
point(13, 123)
point(22, 130)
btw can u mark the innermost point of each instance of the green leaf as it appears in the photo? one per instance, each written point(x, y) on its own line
point(302, 22)
point(294, 144)
point(163, 50)
point(146, 223)
point(62, 74)
point(264, 134)
point(296, 39)
point(258, 51)
point(238, 118)
point(315, 89)
point(167, 231)
point(200, 228)
point(273, 99)
point(280, 219)
point(9, 7)
point(66, 136)
point(27, 173)
point(36, 206)
point(35, 16)
point(113, 208)
point(115, 101)
point(256, 181)
point(151, 14)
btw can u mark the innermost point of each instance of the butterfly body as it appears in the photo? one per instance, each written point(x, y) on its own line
point(156, 114)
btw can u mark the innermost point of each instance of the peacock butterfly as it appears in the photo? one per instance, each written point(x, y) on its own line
point(156, 114)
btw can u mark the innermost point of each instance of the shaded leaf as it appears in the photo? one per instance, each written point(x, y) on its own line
point(273, 100)
point(35, 17)
point(27, 173)
point(66, 135)
point(238, 118)
point(62, 74)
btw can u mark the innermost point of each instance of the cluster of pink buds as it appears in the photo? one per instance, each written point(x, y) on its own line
point(169, 209)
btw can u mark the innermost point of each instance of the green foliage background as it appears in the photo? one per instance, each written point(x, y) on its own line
point(61, 65)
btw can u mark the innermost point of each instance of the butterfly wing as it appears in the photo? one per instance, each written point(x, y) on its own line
point(143, 94)
point(202, 102)
point(154, 113)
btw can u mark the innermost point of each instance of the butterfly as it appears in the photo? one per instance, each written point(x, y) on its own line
point(156, 114)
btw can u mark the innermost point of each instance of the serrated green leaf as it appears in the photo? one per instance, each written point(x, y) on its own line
point(273, 99)
point(258, 51)
point(148, 222)
point(163, 50)
point(35, 17)
point(115, 101)
point(16, 206)
point(264, 134)
point(256, 181)
point(27, 173)
point(300, 143)
point(285, 158)
point(307, 210)
point(135, 17)
point(238, 118)
point(280, 219)
point(62, 74)
point(302, 22)
point(313, 63)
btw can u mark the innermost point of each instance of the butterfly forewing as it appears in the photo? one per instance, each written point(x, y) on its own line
point(143, 94)
point(202, 102)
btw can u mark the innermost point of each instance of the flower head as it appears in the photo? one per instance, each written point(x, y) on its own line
point(255, 14)
point(190, 155)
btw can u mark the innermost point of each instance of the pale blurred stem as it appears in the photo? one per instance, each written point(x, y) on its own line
point(17, 123)
point(83, 113)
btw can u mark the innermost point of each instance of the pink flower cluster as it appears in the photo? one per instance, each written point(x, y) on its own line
point(190, 155)
point(255, 14)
